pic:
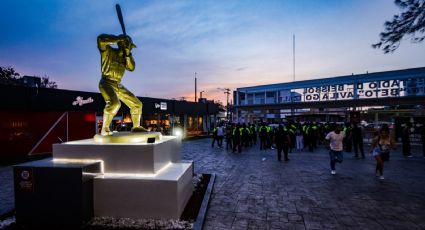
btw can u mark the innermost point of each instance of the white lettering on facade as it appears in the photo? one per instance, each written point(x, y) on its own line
point(80, 101)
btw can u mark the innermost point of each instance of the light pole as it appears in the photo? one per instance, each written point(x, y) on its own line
point(200, 96)
point(195, 88)
point(227, 92)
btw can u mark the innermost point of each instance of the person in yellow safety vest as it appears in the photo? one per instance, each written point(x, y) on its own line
point(263, 136)
point(347, 140)
point(305, 134)
point(269, 136)
point(245, 135)
point(214, 136)
point(237, 138)
point(314, 134)
point(248, 136)
point(310, 137)
point(291, 132)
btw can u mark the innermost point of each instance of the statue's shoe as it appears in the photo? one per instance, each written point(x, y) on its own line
point(139, 129)
point(106, 133)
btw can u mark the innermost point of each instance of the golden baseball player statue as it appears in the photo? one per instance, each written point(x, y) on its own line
point(114, 62)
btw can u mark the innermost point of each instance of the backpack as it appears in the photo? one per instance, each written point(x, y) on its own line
point(384, 152)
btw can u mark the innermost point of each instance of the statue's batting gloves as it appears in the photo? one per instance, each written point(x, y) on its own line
point(130, 43)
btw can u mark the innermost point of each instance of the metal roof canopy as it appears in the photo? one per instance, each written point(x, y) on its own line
point(348, 79)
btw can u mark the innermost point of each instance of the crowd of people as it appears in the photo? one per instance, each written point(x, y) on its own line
point(293, 136)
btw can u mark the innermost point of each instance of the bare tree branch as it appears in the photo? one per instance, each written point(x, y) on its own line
point(411, 22)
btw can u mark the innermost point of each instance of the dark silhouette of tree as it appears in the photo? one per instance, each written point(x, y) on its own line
point(8, 76)
point(46, 83)
point(410, 22)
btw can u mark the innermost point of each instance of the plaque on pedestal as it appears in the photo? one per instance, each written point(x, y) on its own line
point(49, 192)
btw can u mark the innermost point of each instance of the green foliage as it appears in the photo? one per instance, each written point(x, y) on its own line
point(411, 22)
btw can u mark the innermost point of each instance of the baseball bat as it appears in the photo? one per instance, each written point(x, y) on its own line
point(118, 8)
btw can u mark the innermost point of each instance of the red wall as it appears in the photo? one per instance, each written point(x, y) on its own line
point(20, 131)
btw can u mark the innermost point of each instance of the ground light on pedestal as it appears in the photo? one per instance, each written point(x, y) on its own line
point(70, 160)
point(136, 175)
point(178, 132)
point(112, 175)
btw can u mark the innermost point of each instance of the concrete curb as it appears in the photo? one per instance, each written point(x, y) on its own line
point(200, 219)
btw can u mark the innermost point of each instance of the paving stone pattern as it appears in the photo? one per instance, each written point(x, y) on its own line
point(7, 201)
point(255, 191)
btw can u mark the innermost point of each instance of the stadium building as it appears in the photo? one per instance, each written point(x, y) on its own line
point(372, 97)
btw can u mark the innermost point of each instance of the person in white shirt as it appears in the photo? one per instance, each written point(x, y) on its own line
point(220, 136)
point(335, 139)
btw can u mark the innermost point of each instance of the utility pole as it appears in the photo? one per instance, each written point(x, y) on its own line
point(293, 54)
point(227, 92)
point(195, 89)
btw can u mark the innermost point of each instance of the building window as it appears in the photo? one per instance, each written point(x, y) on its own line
point(250, 99)
point(270, 97)
point(259, 98)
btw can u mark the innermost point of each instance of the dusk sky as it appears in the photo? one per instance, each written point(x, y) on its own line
point(229, 43)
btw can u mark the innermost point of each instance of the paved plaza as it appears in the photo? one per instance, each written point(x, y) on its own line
point(255, 191)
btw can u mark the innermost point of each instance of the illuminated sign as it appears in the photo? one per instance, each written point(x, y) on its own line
point(80, 101)
point(161, 105)
point(375, 89)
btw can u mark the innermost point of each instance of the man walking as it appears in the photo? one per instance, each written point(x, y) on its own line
point(220, 136)
point(335, 137)
point(229, 136)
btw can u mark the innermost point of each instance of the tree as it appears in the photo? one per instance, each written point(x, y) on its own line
point(46, 83)
point(8, 76)
point(220, 105)
point(410, 22)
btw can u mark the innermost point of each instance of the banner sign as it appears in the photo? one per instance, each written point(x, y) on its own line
point(374, 89)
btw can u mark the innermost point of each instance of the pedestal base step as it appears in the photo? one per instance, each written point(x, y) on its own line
point(162, 196)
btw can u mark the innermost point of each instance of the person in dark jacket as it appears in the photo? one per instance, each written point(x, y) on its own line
point(263, 136)
point(237, 138)
point(229, 136)
point(254, 134)
point(405, 139)
point(282, 141)
point(357, 137)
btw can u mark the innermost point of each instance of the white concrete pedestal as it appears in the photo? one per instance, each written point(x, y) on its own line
point(162, 196)
point(138, 180)
point(123, 157)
